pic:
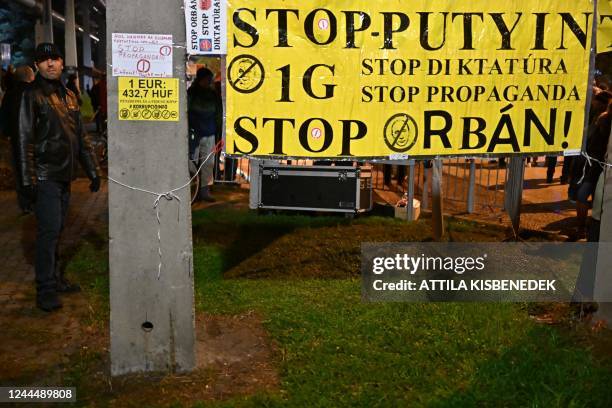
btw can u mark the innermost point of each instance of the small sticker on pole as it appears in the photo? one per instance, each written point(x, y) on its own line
point(142, 55)
point(149, 99)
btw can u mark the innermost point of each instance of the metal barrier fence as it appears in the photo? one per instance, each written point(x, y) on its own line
point(228, 170)
point(468, 185)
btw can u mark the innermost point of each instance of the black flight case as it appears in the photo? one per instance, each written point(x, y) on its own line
point(340, 189)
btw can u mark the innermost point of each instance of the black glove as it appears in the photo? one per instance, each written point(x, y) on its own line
point(95, 184)
point(29, 193)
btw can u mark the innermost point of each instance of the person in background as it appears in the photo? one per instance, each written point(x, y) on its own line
point(9, 114)
point(97, 95)
point(2, 74)
point(387, 172)
point(205, 115)
point(597, 148)
point(599, 104)
point(7, 78)
point(551, 164)
point(73, 85)
point(99, 90)
point(51, 141)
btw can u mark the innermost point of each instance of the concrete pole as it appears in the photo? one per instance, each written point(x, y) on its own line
point(39, 32)
point(47, 21)
point(603, 271)
point(426, 177)
point(436, 200)
point(70, 55)
point(152, 316)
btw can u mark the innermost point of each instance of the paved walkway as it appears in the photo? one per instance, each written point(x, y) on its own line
point(545, 206)
point(18, 234)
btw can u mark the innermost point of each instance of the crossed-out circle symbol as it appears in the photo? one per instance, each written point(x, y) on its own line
point(245, 74)
point(401, 133)
point(165, 50)
point(143, 65)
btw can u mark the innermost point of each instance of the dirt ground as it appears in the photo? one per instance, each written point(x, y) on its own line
point(235, 358)
point(71, 345)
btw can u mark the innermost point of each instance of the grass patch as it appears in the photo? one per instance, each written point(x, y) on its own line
point(335, 350)
point(301, 274)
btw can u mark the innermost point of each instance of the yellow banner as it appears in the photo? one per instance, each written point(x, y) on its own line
point(604, 26)
point(153, 99)
point(396, 78)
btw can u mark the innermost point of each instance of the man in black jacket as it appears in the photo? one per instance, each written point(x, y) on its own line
point(51, 141)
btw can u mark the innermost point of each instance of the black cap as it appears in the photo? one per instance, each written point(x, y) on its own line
point(44, 51)
point(204, 73)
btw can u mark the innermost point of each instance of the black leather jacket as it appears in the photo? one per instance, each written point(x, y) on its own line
point(51, 137)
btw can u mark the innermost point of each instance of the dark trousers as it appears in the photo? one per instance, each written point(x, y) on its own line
point(551, 163)
point(387, 169)
point(566, 172)
point(51, 208)
point(22, 200)
point(230, 169)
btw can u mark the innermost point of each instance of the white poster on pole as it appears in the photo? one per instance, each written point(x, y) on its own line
point(142, 55)
point(206, 23)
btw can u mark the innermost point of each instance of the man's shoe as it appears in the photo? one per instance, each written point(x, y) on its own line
point(48, 302)
point(577, 235)
point(65, 286)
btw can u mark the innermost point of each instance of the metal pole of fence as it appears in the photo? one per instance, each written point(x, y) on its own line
point(410, 198)
point(456, 181)
point(425, 201)
point(480, 172)
point(464, 191)
point(442, 174)
point(514, 192)
point(506, 173)
point(471, 187)
point(436, 200)
point(496, 193)
point(488, 188)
